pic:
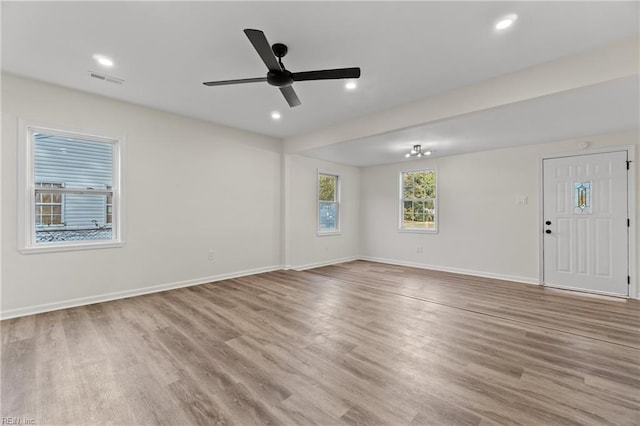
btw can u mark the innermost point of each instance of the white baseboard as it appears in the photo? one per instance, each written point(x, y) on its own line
point(514, 278)
point(47, 307)
point(324, 263)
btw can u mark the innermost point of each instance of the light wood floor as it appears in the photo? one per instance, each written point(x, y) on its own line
point(357, 343)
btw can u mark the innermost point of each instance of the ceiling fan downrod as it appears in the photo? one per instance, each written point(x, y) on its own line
point(282, 78)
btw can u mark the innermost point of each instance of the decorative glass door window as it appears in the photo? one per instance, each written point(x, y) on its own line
point(582, 197)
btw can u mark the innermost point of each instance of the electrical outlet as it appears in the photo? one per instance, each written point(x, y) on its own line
point(523, 200)
point(212, 255)
point(419, 250)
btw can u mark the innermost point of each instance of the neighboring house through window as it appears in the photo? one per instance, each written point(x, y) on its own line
point(49, 206)
point(418, 201)
point(328, 203)
point(70, 190)
point(109, 208)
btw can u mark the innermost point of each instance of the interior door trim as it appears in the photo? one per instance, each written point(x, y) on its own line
point(633, 291)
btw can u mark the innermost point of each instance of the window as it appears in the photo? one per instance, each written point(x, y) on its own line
point(328, 203)
point(418, 201)
point(70, 190)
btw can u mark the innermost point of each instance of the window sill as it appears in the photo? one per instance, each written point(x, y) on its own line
point(48, 248)
point(418, 231)
point(328, 233)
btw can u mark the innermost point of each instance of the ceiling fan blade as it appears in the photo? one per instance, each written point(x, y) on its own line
point(260, 43)
point(327, 74)
point(242, 80)
point(290, 95)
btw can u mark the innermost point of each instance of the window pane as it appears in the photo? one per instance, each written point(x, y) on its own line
point(430, 184)
point(64, 162)
point(328, 216)
point(327, 187)
point(407, 179)
point(84, 219)
point(76, 162)
point(407, 210)
point(419, 190)
point(407, 185)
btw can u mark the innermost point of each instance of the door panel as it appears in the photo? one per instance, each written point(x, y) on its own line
point(585, 201)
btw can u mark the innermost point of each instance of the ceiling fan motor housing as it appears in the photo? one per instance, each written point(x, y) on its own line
point(280, 78)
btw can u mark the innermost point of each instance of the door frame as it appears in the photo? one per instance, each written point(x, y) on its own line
point(633, 291)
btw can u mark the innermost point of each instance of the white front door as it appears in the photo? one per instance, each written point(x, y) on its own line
point(585, 222)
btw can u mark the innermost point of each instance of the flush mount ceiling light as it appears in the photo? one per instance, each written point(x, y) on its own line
point(103, 60)
point(417, 151)
point(275, 115)
point(351, 85)
point(506, 21)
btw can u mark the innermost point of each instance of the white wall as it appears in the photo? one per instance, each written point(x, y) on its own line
point(191, 186)
point(483, 230)
point(194, 186)
point(304, 247)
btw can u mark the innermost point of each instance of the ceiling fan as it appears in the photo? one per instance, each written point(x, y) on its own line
point(278, 75)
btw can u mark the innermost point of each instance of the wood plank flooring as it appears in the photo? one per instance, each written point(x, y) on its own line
point(356, 343)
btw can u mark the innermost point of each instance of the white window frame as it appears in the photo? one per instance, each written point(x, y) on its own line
point(26, 190)
point(337, 230)
point(401, 200)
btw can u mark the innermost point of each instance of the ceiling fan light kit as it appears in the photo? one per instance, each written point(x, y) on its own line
point(278, 75)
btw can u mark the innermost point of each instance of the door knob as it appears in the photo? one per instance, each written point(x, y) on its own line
point(548, 231)
point(548, 222)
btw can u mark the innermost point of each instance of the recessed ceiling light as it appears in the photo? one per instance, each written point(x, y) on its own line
point(275, 115)
point(506, 21)
point(103, 60)
point(351, 85)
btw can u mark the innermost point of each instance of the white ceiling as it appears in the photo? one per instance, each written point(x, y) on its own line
point(603, 108)
point(407, 51)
